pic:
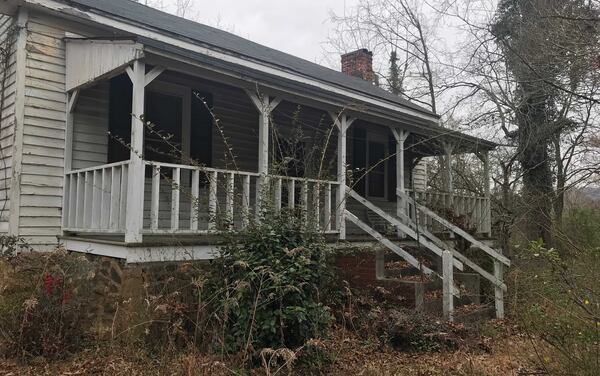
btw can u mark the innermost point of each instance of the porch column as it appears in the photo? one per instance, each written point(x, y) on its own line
point(448, 182)
point(342, 122)
point(265, 106)
point(400, 137)
point(71, 103)
point(135, 179)
point(487, 220)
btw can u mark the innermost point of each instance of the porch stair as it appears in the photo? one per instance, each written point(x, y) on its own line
point(451, 258)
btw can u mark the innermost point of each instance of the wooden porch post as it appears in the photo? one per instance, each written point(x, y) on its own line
point(448, 182)
point(400, 137)
point(498, 291)
point(71, 103)
point(134, 217)
point(487, 193)
point(135, 187)
point(342, 122)
point(265, 106)
point(448, 285)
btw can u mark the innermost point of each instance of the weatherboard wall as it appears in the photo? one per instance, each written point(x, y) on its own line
point(7, 118)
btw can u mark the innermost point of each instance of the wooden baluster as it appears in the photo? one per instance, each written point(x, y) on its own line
point(175, 194)
point(115, 191)
point(229, 199)
point(245, 201)
point(155, 198)
point(123, 206)
point(212, 201)
point(80, 199)
point(291, 187)
point(327, 208)
point(96, 198)
point(277, 195)
point(89, 200)
point(304, 200)
point(106, 198)
point(73, 200)
point(195, 200)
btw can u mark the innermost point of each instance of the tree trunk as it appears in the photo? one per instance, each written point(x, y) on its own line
point(538, 190)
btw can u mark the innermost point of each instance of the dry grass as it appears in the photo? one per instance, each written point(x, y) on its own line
point(509, 353)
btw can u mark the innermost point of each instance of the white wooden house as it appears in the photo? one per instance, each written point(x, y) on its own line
point(82, 76)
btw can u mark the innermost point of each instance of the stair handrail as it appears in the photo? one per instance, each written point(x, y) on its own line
point(455, 229)
point(388, 243)
point(397, 249)
point(465, 260)
point(402, 226)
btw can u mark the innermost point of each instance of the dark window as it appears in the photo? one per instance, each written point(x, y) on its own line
point(359, 159)
point(376, 175)
point(164, 142)
point(162, 138)
point(290, 156)
point(202, 125)
point(119, 119)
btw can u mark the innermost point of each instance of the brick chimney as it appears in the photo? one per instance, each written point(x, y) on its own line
point(359, 64)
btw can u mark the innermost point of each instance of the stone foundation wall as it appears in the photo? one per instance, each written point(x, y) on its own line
point(128, 294)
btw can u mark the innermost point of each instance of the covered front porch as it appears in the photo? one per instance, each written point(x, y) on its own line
point(163, 147)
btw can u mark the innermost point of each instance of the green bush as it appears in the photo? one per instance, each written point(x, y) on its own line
point(268, 283)
point(44, 304)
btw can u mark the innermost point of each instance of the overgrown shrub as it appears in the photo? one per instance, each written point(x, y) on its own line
point(556, 299)
point(269, 280)
point(44, 304)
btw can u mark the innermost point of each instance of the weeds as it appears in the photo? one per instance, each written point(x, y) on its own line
point(45, 303)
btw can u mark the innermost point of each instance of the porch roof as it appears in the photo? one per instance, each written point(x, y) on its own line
point(337, 87)
point(233, 44)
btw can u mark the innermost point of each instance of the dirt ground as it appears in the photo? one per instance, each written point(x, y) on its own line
point(508, 353)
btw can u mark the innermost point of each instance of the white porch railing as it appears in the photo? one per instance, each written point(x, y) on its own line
point(476, 210)
point(95, 199)
point(183, 199)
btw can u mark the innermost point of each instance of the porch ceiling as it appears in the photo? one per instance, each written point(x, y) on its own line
point(199, 65)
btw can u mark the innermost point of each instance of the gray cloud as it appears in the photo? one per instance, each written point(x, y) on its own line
point(295, 27)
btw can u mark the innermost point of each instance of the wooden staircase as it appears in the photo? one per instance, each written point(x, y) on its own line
point(444, 251)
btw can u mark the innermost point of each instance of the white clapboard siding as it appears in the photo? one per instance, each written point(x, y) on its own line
point(42, 173)
point(90, 127)
point(7, 117)
point(43, 162)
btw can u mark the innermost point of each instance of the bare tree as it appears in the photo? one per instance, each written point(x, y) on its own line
point(527, 73)
point(397, 29)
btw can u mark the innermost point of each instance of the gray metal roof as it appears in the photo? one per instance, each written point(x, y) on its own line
point(228, 42)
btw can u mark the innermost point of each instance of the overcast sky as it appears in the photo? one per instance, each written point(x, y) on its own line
point(298, 27)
